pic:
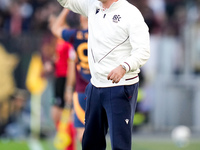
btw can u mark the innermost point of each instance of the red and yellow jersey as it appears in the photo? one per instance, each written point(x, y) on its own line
point(79, 39)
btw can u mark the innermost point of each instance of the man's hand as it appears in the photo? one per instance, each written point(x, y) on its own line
point(116, 74)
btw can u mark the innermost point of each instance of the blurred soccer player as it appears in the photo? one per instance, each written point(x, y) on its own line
point(78, 37)
point(64, 84)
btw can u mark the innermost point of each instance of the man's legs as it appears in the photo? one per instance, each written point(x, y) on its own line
point(118, 105)
point(120, 109)
point(95, 121)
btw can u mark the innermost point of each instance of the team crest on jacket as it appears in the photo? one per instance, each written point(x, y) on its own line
point(116, 18)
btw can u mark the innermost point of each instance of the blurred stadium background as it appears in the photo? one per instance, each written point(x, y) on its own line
point(170, 82)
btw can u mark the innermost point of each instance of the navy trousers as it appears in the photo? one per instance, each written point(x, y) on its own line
point(113, 108)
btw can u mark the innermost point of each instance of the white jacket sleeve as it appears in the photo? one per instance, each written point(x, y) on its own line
point(77, 6)
point(140, 42)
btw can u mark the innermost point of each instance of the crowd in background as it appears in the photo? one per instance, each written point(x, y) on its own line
point(18, 17)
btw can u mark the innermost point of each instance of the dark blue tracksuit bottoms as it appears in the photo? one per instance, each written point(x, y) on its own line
point(112, 107)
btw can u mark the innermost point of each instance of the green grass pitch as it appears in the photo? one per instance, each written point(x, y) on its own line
point(138, 144)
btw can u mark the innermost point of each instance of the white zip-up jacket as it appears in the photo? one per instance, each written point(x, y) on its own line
point(117, 35)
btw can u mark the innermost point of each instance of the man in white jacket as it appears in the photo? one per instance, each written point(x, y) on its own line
point(118, 46)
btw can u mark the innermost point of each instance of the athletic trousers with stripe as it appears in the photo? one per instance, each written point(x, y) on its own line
point(112, 107)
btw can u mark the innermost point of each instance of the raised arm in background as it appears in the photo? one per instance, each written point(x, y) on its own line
point(59, 24)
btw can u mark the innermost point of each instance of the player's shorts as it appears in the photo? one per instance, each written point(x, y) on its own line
point(86, 76)
point(79, 109)
point(59, 89)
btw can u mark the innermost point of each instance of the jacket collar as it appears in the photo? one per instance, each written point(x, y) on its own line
point(113, 6)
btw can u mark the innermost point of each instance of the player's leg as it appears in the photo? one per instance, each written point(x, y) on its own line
point(57, 110)
point(79, 113)
point(58, 100)
point(95, 121)
point(56, 114)
point(120, 109)
point(79, 133)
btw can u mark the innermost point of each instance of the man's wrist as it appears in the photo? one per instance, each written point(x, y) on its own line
point(124, 67)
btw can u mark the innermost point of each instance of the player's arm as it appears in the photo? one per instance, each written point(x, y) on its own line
point(59, 23)
point(70, 78)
